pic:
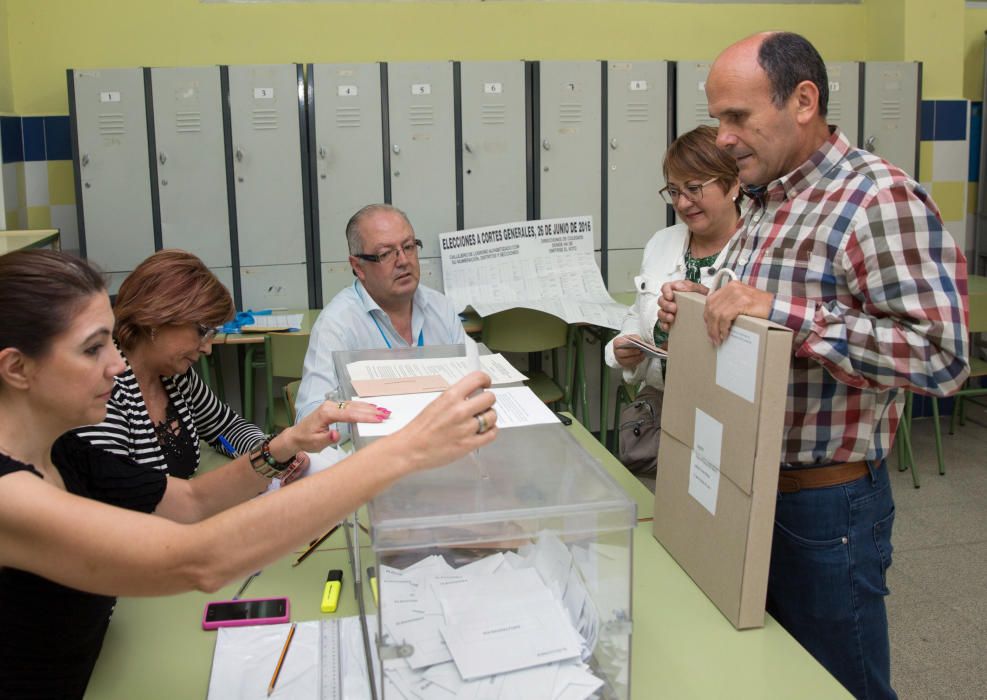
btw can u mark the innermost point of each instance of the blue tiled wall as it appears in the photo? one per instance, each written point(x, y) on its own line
point(35, 138)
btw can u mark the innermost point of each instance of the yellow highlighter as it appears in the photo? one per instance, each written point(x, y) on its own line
point(330, 594)
point(372, 577)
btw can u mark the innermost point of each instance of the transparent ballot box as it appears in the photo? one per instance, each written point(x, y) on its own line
point(505, 574)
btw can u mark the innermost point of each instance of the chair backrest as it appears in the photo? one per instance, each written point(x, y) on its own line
point(290, 394)
point(978, 311)
point(523, 330)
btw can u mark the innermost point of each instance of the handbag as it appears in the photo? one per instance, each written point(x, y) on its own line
point(640, 431)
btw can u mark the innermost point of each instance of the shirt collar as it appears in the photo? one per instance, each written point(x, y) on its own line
point(807, 175)
point(419, 302)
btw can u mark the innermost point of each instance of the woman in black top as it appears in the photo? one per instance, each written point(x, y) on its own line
point(74, 527)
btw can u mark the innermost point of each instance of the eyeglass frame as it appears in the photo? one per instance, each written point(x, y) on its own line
point(669, 199)
point(206, 333)
point(410, 249)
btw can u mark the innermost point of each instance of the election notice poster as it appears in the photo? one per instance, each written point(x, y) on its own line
point(547, 265)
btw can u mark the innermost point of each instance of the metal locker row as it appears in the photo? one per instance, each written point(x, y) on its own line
point(208, 159)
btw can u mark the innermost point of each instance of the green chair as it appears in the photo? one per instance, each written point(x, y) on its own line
point(530, 331)
point(290, 393)
point(978, 366)
point(625, 396)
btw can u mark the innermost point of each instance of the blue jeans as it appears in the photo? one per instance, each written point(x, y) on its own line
point(829, 558)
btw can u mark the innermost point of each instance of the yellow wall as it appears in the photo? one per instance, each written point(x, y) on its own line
point(934, 34)
point(973, 47)
point(48, 37)
point(6, 90)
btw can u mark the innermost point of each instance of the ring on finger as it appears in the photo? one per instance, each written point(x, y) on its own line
point(481, 424)
point(341, 405)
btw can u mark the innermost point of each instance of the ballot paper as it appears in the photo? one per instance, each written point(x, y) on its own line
point(546, 265)
point(451, 369)
point(644, 346)
point(274, 322)
point(516, 406)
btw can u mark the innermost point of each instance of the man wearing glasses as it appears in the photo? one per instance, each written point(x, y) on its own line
point(385, 307)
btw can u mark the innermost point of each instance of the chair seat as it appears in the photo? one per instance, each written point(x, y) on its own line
point(544, 387)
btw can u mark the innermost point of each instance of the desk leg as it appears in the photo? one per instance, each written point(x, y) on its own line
point(248, 384)
point(269, 380)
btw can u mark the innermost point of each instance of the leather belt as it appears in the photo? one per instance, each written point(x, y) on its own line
point(794, 480)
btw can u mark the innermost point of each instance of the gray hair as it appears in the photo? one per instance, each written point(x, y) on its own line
point(353, 237)
point(788, 59)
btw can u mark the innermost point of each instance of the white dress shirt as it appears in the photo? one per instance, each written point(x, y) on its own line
point(664, 261)
point(354, 321)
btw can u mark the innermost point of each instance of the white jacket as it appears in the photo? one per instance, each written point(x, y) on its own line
point(664, 261)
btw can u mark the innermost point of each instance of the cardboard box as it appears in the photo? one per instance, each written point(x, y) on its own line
point(717, 482)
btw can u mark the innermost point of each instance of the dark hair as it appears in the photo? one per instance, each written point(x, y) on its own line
point(170, 287)
point(40, 292)
point(695, 154)
point(788, 59)
point(353, 233)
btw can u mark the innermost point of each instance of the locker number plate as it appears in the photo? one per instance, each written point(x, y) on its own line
point(264, 93)
point(347, 91)
point(834, 86)
point(109, 97)
point(637, 85)
point(421, 89)
point(493, 88)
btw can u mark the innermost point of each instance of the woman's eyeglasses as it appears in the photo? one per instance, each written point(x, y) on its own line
point(206, 333)
point(693, 193)
point(410, 250)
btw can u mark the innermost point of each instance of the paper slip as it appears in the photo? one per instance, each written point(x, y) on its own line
point(274, 322)
point(516, 407)
point(649, 349)
point(451, 369)
point(368, 388)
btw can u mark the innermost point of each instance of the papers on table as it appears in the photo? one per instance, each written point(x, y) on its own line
point(514, 625)
point(516, 406)
point(273, 322)
point(546, 265)
point(450, 369)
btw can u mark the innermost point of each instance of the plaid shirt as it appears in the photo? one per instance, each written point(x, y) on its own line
point(873, 288)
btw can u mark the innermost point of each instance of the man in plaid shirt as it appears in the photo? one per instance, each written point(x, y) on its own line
point(849, 252)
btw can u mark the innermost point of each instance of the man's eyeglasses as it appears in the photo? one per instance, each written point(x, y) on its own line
point(693, 193)
point(410, 250)
point(206, 333)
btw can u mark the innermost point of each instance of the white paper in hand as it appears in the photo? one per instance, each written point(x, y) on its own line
point(472, 355)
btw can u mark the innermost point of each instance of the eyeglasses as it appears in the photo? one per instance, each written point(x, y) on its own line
point(410, 250)
point(692, 192)
point(206, 333)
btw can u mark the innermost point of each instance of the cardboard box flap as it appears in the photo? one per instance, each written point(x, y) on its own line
point(724, 383)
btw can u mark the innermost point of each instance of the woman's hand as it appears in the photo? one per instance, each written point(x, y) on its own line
point(354, 412)
point(628, 356)
point(454, 424)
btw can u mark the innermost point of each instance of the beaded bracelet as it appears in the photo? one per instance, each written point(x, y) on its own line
point(264, 463)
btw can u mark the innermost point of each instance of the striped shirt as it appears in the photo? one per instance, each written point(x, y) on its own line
point(873, 288)
point(129, 431)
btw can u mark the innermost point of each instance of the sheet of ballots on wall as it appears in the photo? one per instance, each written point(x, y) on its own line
point(546, 265)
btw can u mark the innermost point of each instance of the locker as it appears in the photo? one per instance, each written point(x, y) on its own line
point(691, 107)
point(269, 151)
point(637, 137)
point(570, 114)
point(431, 273)
point(112, 170)
point(844, 98)
point(274, 286)
point(422, 148)
point(622, 267)
point(191, 162)
point(347, 153)
point(892, 99)
point(336, 276)
point(224, 275)
point(494, 144)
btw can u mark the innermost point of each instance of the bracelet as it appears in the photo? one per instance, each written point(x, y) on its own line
point(264, 463)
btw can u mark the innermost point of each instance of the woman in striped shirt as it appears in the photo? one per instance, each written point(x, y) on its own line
point(166, 313)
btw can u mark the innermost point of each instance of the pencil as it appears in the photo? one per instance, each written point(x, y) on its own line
point(284, 653)
point(314, 544)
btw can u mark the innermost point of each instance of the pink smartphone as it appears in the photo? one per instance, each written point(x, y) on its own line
point(238, 613)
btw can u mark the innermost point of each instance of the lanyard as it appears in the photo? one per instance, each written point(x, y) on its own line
point(421, 333)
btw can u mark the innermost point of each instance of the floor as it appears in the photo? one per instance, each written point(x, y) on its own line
point(937, 610)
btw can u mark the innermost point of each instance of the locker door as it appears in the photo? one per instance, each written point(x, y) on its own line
point(691, 107)
point(348, 155)
point(271, 198)
point(116, 224)
point(188, 135)
point(494, 144)
point(892, 95)
point(844, 98)
point(637, 137)
point(422, 156)
point(570, 131)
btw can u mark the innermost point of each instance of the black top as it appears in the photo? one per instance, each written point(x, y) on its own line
point(50, 635)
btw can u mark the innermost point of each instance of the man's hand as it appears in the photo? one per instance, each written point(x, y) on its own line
point(628, 356)
point(735, 299)
point(667, 307)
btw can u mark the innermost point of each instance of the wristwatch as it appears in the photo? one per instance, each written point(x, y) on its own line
point(264, 462)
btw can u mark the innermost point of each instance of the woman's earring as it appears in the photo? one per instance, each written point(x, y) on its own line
point(735, 198)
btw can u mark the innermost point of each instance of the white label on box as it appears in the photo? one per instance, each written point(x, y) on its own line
point(109, 97)
point(736, 363)
point(421, 89)
point(704, 468)
point(347, 90)
point(263, 93)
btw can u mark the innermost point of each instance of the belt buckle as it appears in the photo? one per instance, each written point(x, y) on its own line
point(794, 484)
